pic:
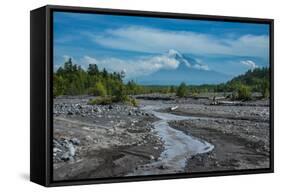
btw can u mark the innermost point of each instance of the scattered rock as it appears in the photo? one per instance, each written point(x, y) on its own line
point(75, 141)
point(89, 138)
point(55, 150)
point(151, 157)
point(64, 149)
point(65, 156)
point(174, 108)
point(71, 149)
point(69, 113)
point(159, 159)
point(162, 166)
point(98, 110)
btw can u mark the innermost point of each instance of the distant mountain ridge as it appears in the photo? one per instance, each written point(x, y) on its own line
point(189, 70)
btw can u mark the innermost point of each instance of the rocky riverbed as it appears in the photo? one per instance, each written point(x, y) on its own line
point(94, 141)
point(240, 134)
point(161, 136)
point(238, 144)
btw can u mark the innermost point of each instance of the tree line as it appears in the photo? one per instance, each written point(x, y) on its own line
point(241, 87)
point(71, 79)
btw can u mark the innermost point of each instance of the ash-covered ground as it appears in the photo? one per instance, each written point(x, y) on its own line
point(163, 135)
point(94, 141)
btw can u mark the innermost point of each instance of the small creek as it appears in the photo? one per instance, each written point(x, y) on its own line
point(178, 146)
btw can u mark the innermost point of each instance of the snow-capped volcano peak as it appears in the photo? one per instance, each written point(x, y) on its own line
point(178, 57)
point(174, 53)
point(185, 61)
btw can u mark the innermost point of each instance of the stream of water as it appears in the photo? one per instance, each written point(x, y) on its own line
point(178, 146)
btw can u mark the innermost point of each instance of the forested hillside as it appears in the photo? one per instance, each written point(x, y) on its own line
point(256, 80)
point(253, 78)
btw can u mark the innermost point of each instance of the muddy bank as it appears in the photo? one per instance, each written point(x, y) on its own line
point(238, 144)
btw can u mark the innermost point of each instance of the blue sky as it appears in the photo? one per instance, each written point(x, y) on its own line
point(140, 45)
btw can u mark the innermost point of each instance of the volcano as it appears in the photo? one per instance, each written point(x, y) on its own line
point(189, 70)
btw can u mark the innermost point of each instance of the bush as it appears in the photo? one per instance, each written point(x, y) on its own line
point(265, 89)
point(101, 101)
point(97, 90)
point(132, 101)
point(107, 100)
point(244, 92)
point(172, 89)
point(120, 94)
point(182, 90)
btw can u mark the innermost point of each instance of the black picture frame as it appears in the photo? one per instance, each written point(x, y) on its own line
point(41, 102)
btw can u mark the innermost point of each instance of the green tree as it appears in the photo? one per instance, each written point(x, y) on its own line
point(104, 73)
point(93, 69)
point(132, 88)
point(182, 90)
point(59, 85)
point(120, 94)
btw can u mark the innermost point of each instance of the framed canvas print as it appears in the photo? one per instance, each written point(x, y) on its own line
point(119, 95)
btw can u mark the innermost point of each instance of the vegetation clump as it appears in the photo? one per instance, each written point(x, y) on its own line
point(107, 100)
point(244, 93)
point(97, 90)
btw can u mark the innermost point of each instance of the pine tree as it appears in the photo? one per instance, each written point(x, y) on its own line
point(182, 90)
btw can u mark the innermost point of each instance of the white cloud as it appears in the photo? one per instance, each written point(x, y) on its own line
point(89, 60)
point(153, 40)
point(139, 66)
point(134, 67)
point(202, 67)
point(66, 58)
point(249, 63)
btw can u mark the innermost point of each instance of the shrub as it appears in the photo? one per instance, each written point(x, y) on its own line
point(265, 89)
point(132, 101)
point(97, 90)
point(120, 94)
point(172, 89)
point(107, 100)
point(244, 92)
point(182, 90)
point(234, 95)
point(101, 101)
